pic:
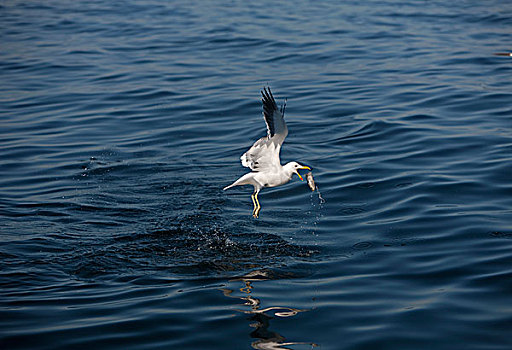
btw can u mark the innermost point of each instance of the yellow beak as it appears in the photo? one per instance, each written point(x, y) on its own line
point(302, 168)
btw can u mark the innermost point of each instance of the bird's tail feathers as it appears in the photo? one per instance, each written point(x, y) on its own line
point(244, 180)
point(228, 187)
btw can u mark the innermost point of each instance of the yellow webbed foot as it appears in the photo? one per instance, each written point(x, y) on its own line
point(257, 206)
point(255, 210)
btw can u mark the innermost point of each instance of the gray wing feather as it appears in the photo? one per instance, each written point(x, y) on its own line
point(264, 154)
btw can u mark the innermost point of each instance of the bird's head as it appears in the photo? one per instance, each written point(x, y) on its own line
point(294, 167)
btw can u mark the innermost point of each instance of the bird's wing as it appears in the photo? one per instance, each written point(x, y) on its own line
point(274, 118)
point(264, 154)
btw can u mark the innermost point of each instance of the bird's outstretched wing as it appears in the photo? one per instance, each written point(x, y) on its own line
point(264, 154)
point(274, 118)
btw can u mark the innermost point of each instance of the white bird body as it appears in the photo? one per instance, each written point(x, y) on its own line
point(263, 157)
point(259, 180)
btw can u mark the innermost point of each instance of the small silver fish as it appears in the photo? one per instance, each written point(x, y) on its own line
point(311, 182)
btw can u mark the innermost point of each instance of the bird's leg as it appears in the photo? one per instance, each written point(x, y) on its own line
point(257, 208)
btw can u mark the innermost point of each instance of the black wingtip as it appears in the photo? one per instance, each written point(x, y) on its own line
point(283, 107)
point(269, 106)
point(268, 98)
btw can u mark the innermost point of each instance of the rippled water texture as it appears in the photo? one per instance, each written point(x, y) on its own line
point(121, 122)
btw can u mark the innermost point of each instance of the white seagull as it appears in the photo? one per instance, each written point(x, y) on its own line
point(263, 157)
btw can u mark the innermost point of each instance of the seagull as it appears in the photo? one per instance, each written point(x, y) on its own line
point(263, 157)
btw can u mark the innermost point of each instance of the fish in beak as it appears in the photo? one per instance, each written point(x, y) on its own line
point(302, 168)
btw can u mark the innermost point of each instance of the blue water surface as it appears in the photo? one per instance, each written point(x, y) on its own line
point(121, 122)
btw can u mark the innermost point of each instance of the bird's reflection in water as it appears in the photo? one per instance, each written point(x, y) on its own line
point(260, 317)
